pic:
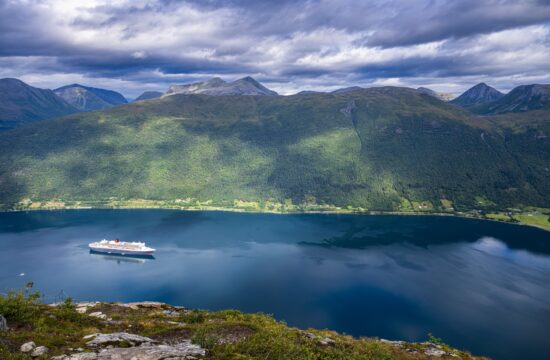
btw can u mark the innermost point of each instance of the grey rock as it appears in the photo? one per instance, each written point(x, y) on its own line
point(99, 315)
point(322, 340)
point(39, 351)
point(170, 313)
point(83, 307)
point(182, 351)
point(397, 343)
point(28, 347)
point(79, 356)
point(434, 352)
point(143, 304)
point(3, 323)
point(116, 338)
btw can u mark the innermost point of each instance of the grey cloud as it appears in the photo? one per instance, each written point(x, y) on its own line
point(275, 40)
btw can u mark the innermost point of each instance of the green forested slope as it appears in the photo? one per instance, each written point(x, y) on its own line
point(378, 149)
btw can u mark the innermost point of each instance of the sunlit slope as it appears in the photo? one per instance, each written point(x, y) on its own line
point(380, 149)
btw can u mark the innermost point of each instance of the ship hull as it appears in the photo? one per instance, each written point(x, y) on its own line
point(121, 251)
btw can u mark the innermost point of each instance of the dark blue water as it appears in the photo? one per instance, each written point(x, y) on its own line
point(481, 286)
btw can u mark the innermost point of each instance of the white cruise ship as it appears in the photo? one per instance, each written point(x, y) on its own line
point(121, 247)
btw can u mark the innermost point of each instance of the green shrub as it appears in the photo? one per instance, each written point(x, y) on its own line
point(193, 317)
point(67, 311)
point(19, 306)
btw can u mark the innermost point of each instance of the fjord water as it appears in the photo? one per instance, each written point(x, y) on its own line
point(482, 286)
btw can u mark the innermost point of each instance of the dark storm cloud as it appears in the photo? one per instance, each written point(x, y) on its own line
point(308, 42)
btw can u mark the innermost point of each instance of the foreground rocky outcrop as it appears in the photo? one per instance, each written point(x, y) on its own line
point(157, 331)
point(147, 349)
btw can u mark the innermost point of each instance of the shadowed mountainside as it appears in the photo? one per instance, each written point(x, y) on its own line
point(21, 103)
point(478, 94)
point(86, 98)
point(520, 99)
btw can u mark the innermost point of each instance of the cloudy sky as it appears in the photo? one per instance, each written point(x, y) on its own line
point(136, 45)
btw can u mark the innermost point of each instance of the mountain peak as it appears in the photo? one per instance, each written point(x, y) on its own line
point(478, 94)
point(218, 87)
point(249, 79)
point(215, 81)
point(21, 103)
point(521, 98)
point(87, 98)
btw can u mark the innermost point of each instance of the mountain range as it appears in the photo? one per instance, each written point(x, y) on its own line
point(385, 148)
point(520, 99)
point(381, 148)
point(21, 104)
point(85, 98)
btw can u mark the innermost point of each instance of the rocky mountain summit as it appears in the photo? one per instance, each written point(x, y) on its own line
point(21, 103)
point(217, 87)
point(478, 94)
point(86, 98)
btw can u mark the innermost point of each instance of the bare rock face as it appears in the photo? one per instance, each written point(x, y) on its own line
point(434, 352)
point(3, 324)
point(79, 356)
point(322, 340)
point(182, 351)
point(39, 351)
point(28, 347)
point(99, 315)
point(117, 339)
point(219, 87)
point(143, 304)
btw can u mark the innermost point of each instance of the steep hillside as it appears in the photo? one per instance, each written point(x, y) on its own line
point(521, 98)
point(86, 98)
point(21, 104)
point(478, 94)
point(148, 95)
point(378, 149)
point(219, 87)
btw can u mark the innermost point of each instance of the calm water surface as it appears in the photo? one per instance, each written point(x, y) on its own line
point(482, 286)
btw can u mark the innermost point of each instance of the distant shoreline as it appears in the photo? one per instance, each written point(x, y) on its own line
point(294, 212)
